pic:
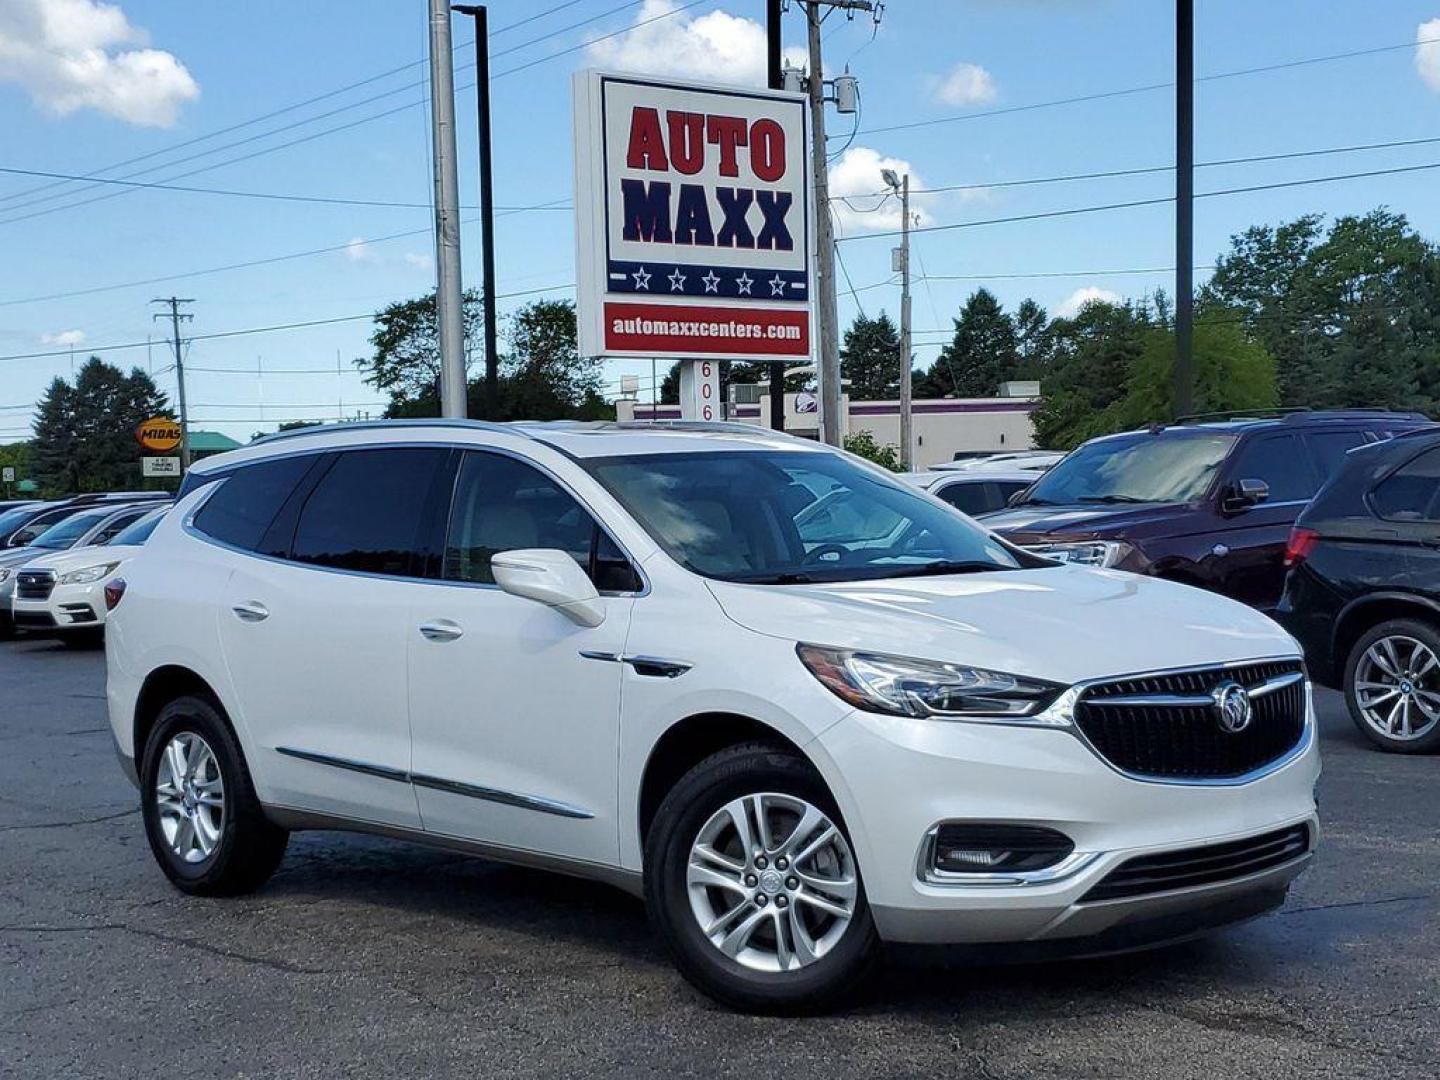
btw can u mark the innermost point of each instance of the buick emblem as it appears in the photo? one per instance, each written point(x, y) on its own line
point(1232, 707)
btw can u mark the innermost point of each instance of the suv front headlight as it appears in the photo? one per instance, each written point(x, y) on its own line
point(1088, 553)
point(907, 687)
point(88, 574)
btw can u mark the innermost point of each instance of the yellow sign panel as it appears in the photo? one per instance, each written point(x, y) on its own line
point(159, 433)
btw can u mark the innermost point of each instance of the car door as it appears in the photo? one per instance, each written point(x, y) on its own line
point(314, 632)
point(1248, 557)
point(514, 708)
point(1405, 550)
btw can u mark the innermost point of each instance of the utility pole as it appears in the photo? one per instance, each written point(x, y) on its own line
point(487, 204)
point(827, 320)
point(175, 316)
point(1184, 206)
point(776, 80)
point(448, 309)
point(907, 407)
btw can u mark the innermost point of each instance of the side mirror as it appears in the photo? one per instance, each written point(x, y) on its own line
point(551, 577)
point(1243, 494)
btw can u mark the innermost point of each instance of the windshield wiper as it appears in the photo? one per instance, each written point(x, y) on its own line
point(1111, 499)
point(791, 577)
point(946, 566)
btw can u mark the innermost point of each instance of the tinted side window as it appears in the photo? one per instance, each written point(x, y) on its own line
point(366, 511)
point(105, 535)
point(248, 500)
point(1281, 462)
point(1409, 493)
point(971, 498)
point(1329, 449)
point(502, 504)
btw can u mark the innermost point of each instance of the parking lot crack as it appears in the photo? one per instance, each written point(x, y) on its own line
point(283, 966)
point(73, 822)
point(1358, 903)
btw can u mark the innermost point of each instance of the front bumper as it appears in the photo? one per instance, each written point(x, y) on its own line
point(1014, 775)
point(68, 607)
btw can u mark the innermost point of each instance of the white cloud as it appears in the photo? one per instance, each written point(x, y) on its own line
point(716, 46)
point(63, 338)
point(358, 251)
point(1427, 56)
point(854, 183)
point(72, 54)
point(1072, 304)
point(420, 262)
point(966, 84)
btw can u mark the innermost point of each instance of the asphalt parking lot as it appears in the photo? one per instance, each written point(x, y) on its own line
point(368, 958)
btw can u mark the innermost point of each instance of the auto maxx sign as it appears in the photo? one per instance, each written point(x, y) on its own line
point(694, 220)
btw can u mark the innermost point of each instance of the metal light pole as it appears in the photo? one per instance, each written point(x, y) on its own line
point(776, 79)
point(448, 302)
point(487, 205)
point(1184, 207)
point(827, 317)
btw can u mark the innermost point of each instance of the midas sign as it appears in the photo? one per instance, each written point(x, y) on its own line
point(694, 220)
point(159, 433)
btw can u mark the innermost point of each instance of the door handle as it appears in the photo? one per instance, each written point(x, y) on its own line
point(251, 611)
point(441, 630)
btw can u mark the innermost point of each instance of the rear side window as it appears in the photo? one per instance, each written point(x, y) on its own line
point(1330, 447)
point(1281, 462)
point(366, 512)
point(970, 498)
point(1409, 493)
point(502, 504)
point(248, 500)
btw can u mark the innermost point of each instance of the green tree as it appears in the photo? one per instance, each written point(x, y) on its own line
point(1032, 339)
point(981, 355)
point(406, 342)
point(85, 434)
point(870, 359)
point(863, 444)
point(545, 378)
point(1092, 356)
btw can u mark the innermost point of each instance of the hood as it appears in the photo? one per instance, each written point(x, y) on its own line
point(1065, 623)
point(62, 562)
point(16, 556)
point(1084, 521)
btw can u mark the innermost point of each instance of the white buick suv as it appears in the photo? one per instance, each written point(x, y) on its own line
point(800, 707)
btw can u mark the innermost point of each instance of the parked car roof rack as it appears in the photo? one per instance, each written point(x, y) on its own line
point(371, 425)
point(1297, 415)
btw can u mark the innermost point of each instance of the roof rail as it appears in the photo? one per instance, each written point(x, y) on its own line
point(370, 425)
point(1237, 414)
point(1300, 414)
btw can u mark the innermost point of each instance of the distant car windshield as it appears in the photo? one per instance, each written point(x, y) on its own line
point(65, 533)
point(1141, 468)
point(794, 517)
point(139, 531)
point(11, 520)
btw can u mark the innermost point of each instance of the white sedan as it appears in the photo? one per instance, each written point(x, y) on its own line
point(65, 592)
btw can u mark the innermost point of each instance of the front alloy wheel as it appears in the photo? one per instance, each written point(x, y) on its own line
point(772, 882)
point(752, 880)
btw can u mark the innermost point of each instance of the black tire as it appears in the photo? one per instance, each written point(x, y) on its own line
point(1416, 630)
point(835, 978)
point(249, 847)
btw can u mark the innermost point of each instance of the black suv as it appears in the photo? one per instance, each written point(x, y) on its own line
point(1363, 591)
point(1207, 501)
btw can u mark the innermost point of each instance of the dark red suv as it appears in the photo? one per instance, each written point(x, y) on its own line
point(1208, 501)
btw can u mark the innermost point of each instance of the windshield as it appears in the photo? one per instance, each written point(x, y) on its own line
point(794, 517)
point(138, 532)
point(11, 520)
point(1134, 469)
point(63, 534)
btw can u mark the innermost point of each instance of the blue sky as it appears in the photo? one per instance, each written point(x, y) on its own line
point(90, 85)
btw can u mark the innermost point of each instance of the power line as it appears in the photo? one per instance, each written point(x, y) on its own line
point(1148, 87)
point(1133, 203)
point(325, 131)
point(258, 330)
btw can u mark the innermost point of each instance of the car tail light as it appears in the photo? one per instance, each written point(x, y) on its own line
point(1301, 543)
point(114, 592)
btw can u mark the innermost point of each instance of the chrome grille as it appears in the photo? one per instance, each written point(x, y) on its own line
point(34, 584)
point(1165, 727)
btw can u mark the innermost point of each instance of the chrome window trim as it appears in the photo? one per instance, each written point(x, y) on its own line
point(1307, 734)
point(1066, 868)
point(190, 528)
point(436, 783)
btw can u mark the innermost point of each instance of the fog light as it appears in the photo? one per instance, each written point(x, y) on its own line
point(996, 849)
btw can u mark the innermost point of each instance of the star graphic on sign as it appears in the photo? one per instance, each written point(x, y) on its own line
point(744, 281)
point(712, 282)
point(777, 286)
point(642, 279)
point(677, 280)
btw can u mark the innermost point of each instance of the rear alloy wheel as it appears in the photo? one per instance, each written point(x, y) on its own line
point(750, 876)
point(206, 828)
point(1392, 685)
